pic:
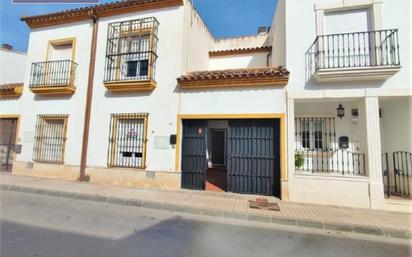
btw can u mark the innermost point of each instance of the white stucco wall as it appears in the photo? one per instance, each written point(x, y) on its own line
point(334, 190)
point(241, 42)
point(197, 41)
point(161, 103)
point(234, 101)
point(255, 60)
point(12, 66)
point(30, 105)
point(278, 35)
point(396, 124)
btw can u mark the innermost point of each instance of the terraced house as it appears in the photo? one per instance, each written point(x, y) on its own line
point(138, 93)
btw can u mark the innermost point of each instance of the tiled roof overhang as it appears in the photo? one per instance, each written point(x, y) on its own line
point(268, 76)
point(11, 89)
point(100, 10)
point(250, 50)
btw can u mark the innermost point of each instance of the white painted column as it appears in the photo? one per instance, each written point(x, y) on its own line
point(374, 152)
point(290, 148)
point(291, 137)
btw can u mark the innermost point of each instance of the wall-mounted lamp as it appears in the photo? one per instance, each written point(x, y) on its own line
point(340, 111)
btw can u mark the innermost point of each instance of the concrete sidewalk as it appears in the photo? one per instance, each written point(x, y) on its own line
point(383, 223)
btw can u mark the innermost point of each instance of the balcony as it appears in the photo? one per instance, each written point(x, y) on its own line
point(370, 55)
point(131, 55)
point(53, 77)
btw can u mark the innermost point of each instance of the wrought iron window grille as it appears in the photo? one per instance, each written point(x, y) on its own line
point(127, 140)
point(50, 138)
point(131, 50)
point(316, 141)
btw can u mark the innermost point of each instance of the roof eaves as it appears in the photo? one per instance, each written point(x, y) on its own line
point(101, 10)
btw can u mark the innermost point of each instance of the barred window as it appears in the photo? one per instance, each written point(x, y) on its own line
point(315, 133)
point(50, 138)
point(127, 142)
point(131, 50)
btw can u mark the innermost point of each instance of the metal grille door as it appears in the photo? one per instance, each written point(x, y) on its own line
point(253, 157)
point(8, 128)
point(194, 162)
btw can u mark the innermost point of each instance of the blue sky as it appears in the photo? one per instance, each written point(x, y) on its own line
point(225, 18)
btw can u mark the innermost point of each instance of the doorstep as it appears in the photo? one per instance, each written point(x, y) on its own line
point(225, 205)
point(398, 204)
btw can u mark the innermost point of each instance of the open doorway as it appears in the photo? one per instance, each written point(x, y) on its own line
point(216, 175)
point(245, 156)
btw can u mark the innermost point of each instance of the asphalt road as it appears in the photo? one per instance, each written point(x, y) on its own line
point(46, 226)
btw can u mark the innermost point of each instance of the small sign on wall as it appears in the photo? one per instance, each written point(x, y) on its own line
point(161, 142)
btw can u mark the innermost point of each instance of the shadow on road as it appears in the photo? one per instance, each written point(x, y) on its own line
point(180, 237)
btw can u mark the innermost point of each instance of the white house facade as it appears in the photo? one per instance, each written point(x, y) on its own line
point(354, 55)
point(315, 109)
point(12, 67)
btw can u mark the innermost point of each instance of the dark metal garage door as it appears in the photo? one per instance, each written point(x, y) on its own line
point(253, 157)
point(194, 163)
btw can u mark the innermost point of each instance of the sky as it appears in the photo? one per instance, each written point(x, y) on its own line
point(224, 18)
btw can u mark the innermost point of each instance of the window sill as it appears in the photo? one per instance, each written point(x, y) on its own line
point(54, 90)
point(330, 175)
point(130, 85)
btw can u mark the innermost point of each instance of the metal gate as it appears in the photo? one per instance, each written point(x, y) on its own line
point(8, 128)
point(398, 181)
point(194, 162)
point(402, 166)
point(253, 157)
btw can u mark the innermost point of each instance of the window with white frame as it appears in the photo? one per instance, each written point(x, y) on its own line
point(135, 65)
point(347, 40)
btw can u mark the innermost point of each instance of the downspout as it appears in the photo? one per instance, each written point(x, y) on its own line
point(89, 95)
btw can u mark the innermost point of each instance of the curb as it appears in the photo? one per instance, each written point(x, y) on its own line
point(365, 230)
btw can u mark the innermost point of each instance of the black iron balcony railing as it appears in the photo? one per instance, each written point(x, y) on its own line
point(52, 73)
point(354, 50)
point(130, 66)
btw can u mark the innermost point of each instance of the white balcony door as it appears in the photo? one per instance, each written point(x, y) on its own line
point(349, 42)
point(58, 72)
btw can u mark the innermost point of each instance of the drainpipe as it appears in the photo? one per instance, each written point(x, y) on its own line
point(86, 127)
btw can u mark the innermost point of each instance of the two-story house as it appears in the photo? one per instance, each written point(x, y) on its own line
point(349, 103)
point(140, 93)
